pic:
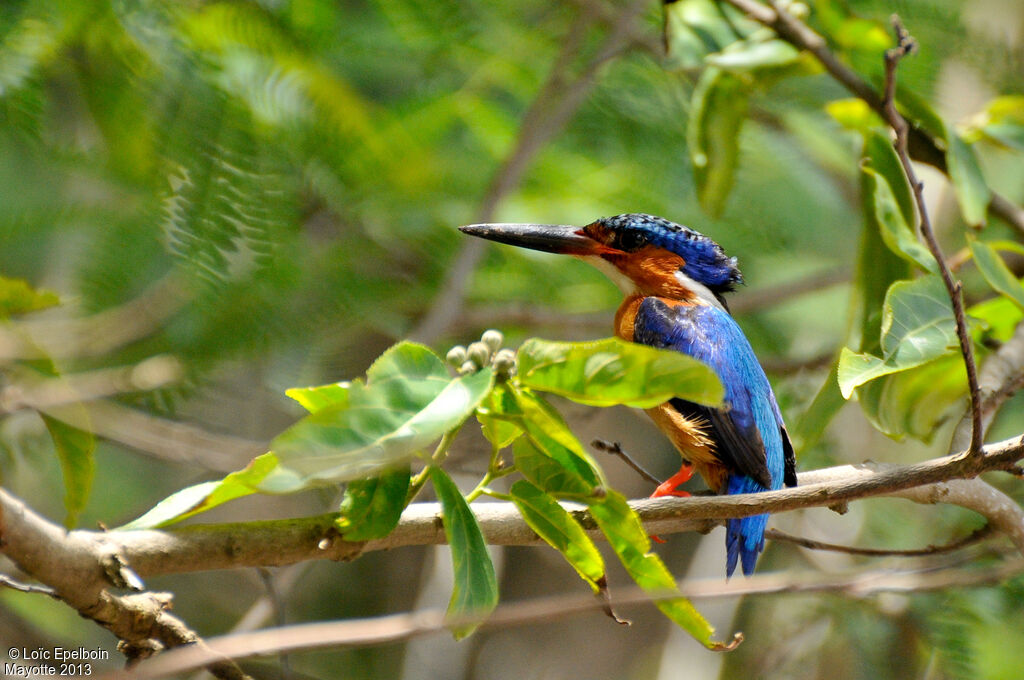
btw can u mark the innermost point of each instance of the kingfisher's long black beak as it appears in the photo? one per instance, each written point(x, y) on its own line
point(549, 238)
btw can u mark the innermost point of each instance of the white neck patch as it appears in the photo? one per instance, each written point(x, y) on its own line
point(703, 293)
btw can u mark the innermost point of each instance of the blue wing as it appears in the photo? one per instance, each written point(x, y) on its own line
point(750, 437)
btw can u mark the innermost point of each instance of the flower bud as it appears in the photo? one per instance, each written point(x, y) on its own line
point(492, 339)
point(479, 354)
point(456, 356)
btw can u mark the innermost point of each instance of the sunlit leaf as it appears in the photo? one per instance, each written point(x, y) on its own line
point(613, 371)
point(718, 109)
point(895, 231)
point(917, 327)
point(315, 398)
point(372, 507)
point(1002, 122)
point(475, 591)
point(972, 192)
point(549, 434)
point(493, 415)
point(75, 449)
point(854, 114)
point(17, 297)
point(999, 315)
point(199, 498)
point(627, 537)
point(407, 402)
point(996, 272)
point(560, 530)
point(552, 467)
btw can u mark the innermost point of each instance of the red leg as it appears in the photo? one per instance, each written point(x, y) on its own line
point(668, 488)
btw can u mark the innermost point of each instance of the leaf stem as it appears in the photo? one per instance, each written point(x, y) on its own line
point(438, 457)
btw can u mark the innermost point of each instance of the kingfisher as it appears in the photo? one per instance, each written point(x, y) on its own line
point(674, 280)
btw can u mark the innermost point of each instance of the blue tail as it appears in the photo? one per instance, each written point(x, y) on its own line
point(744, 537)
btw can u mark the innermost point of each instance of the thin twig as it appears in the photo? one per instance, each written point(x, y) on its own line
point(615, 449)
point(398, 627)
point(921, 145)
point(904, 46)
point(974, 537)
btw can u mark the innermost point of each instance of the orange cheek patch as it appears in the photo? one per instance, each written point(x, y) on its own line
point(653, 270)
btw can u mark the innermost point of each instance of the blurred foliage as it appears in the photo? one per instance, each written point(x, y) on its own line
point(279, 182)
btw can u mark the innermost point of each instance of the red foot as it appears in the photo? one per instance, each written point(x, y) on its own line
point(668, 488)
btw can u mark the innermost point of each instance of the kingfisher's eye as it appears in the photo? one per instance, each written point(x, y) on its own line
point(630, 240)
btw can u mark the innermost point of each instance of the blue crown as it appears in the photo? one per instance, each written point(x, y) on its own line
point(706, 262)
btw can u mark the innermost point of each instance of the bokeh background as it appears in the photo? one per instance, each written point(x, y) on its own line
point(232, 198)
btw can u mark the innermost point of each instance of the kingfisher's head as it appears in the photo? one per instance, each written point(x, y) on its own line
point(641, 253)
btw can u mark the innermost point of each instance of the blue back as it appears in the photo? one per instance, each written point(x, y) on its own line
point(749, 434)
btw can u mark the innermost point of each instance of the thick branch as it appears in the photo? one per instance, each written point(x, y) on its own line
point(274, 543)
point(81, 568)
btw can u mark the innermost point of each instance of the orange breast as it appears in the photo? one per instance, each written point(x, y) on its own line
point(690, 436)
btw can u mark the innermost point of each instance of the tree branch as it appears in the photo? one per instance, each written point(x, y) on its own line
point(79, 575)
point(81, 567)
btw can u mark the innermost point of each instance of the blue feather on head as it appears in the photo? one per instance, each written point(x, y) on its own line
point(706, 262)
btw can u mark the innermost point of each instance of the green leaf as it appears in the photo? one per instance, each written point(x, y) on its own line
point(408, 401)
point(627, 537)
point(894, 229)
point(877, 266)
point(717, 111)
point(552, 467)
point(882, 157)
point(560, 530)
point(75, 450)
point(493, 415)
point(854, 114)
point(917, 327)
point(613, 371)
point(17, 297)
point(199, 498)
point(549, 434)
point(748, 56)
point(811, 424)
point(915, 402)
point(372, 507)
point(1002, 122)
point(996, 272)
point(475, 591)
point(972, 192)
point(999, 316)
point(315, 398)
point(696, 28)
